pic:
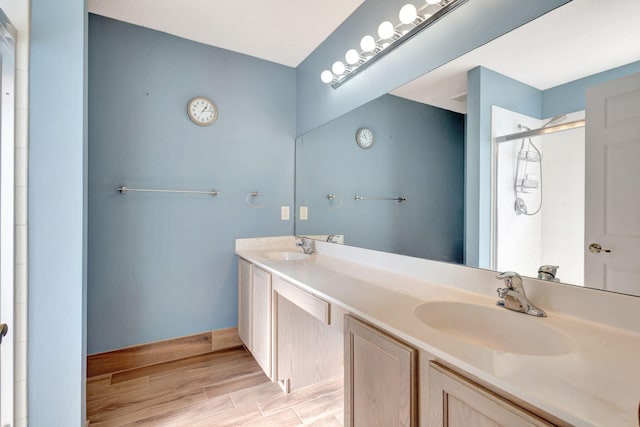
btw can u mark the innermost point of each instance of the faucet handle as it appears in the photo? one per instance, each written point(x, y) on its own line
point(507, 275)
point(306, 244)
point(512, 279)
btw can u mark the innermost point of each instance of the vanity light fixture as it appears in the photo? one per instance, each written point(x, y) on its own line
point(412, 21)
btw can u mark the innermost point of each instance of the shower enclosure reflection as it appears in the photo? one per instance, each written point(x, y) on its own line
point(539, 198)
point(524, 182)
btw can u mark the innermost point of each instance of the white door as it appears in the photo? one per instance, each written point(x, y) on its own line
point(7, 120)
point(612, 193)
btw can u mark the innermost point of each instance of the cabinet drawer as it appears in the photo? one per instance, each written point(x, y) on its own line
point(313, 305)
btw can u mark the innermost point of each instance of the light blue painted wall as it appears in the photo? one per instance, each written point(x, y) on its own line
point(569, 97)
point(163, 265)
point(57, 213)
point(486, 88)
point(418, 152)
point(472, 25)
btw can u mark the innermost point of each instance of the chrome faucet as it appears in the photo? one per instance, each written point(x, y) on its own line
point(333, 238)
point(548, 272)
point(514, 297)
point(306, 244)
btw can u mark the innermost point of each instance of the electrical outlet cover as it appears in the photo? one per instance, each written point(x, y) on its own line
point(284, 213)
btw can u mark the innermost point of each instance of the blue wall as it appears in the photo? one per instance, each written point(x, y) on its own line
point(163, 265)
point(57, 213)
point(569, 97)
point(472, 25)
point(418, 153)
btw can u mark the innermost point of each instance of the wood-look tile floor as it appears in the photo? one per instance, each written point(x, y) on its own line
point(226, 388)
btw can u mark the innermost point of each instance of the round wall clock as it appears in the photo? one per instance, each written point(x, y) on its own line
point(202, 111)
point(364, 138)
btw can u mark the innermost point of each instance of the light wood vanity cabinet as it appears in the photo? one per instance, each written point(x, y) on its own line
point(383, 388)
point(380, 378)
point(288, 330)
point(307, 342)
point(456, 401)
point(300, 339)
point(254, 313)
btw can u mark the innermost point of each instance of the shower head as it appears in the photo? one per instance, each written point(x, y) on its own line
point(555, 120)
point(521, 207)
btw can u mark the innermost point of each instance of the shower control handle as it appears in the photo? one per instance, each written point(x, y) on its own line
point(596, 248)
point(4, 328)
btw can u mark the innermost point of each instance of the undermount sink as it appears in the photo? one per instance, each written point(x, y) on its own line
point(286, 256)
point(496, 328)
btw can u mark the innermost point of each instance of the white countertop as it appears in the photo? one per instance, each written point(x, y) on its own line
point(596, 385)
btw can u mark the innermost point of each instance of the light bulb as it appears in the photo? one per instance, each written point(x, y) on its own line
point(386, 30)
point(338, 68)
point(352, 57)
point(368, 44)
point(408, 14)
point(326, 76)
point(433, 1)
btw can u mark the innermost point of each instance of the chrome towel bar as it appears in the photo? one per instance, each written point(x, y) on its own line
point(124, 190)
point(395, 199)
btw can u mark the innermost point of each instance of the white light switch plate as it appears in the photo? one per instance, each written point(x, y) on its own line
point(284, 213)
point(304, 213)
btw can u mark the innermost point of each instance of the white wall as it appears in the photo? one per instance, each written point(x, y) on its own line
point(555, 235)
point(563, 209)
point(518, 238)
point(18, 14)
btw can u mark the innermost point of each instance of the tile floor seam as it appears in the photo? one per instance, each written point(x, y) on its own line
point(297, 415)
point(232, 401)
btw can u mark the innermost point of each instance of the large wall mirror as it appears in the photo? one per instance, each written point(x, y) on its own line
point(487, 160)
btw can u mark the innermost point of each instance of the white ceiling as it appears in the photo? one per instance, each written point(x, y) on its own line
point(576, 40)
point(581, 38)
point(282, 31)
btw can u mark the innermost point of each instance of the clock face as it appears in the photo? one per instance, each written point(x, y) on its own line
point(202, 111)
point(364, 138)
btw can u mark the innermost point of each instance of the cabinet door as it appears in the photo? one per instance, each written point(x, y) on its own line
point(308, 349)
point(380, 378)
point(244, 302)
point(261, 336)
point(455, 401)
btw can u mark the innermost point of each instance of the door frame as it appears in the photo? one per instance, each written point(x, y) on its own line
point(8, 36)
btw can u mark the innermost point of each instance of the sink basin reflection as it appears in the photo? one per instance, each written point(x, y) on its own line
point(286, 256)
point(496, 328)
